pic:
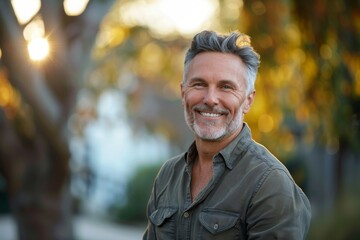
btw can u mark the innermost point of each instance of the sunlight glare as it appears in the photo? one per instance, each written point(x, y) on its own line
point(38, 45)
point(168, 16)
point(25, 9)
point(75, 7)
point(35, 29)
point(38, 49)
point(184, 15)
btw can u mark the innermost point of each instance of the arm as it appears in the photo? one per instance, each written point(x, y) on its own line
point(150, 230)
point(279, 209)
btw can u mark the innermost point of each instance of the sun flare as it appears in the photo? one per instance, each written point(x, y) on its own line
point(38, 49)
point(167, 16)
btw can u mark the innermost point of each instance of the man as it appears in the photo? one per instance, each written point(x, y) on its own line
point(226, 186)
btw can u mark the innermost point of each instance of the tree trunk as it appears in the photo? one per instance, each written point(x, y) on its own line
point(34, 151)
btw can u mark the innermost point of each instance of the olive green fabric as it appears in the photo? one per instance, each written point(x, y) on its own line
point(250, 196)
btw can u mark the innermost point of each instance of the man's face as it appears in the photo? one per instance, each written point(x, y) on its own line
point(214, 96)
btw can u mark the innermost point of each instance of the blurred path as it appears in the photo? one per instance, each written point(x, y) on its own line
point(85, 229)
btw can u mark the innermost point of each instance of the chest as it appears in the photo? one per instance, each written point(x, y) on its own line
point(210, 214)
point(200, 178)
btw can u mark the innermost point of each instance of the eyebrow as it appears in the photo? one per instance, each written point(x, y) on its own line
point(202, 80)
point(196, 79)
point(228, 82)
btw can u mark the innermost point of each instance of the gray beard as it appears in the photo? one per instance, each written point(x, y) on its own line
point(212, 134)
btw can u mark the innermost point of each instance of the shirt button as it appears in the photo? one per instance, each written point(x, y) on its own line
point(216, 226)
point(186, 215)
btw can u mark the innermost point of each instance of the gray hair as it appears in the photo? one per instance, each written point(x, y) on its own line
point(235, 43)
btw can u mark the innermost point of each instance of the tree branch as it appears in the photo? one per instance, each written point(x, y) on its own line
point(24, 76)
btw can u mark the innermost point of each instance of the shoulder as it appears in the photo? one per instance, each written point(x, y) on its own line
point(274, 177)
point(261, 158)
point(264, 167)
point(261, 153)
point(277, 197)
point(172, 166)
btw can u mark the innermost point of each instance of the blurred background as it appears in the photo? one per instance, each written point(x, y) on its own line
point(90, 107)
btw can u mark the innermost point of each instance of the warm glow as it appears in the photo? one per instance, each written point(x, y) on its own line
point(75, 7)
point(38, 49)
point(5, 95)
point(167, 16)
point(265, 123)
point(38, 45)
point(25, 9)
point(35, 29)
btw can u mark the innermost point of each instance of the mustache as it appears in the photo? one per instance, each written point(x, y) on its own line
point(206, 108)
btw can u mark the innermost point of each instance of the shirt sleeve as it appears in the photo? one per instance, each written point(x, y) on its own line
point(149, 233)
point(279, 209)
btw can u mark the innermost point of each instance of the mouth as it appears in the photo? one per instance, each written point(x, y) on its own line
point(209, 114)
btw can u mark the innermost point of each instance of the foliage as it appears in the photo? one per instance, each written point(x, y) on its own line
point(308, 86)
point(137, 191)
point(308, 82)
point(341, 223)
point(331, 38)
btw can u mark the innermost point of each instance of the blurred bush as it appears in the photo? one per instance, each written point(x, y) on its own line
point(4, 202)
point(138, 191)
point(340, 224)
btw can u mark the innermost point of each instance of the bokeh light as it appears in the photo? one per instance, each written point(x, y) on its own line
point(38, 45)
point(167, 16)
point(38, 49)
point(75, 7)
point(25, 9)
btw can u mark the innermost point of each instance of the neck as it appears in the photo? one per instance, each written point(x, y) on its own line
point(208, 149)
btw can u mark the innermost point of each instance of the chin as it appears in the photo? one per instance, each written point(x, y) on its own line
point(213, 137)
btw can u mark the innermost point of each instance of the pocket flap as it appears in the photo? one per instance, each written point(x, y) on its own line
point(158, 216)
point(216, 221)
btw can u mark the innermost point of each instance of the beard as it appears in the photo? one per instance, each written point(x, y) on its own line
point(212, 130)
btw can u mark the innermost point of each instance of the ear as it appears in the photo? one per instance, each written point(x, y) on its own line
point(248, 102)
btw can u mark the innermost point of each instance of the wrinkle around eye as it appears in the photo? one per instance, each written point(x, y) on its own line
point(228, 87)
point(197, 85)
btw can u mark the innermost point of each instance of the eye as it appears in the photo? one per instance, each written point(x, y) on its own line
point(227, 87)
point(198, 85)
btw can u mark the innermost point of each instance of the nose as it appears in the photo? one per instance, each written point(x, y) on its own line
point(211, 97)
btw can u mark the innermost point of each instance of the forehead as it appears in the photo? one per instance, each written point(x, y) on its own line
point(215, 65)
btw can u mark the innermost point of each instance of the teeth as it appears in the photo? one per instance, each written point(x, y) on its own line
point(210, 114)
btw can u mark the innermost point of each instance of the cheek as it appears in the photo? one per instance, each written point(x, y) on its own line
point(187, 104)
point(192, 98)
point(234, 103)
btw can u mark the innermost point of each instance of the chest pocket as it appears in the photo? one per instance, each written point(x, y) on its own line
point(164, 221)
point(221, 223)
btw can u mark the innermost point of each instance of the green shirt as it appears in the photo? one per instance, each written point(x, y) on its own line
point(250, 196)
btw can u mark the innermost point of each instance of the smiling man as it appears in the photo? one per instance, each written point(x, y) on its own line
point(226, 186)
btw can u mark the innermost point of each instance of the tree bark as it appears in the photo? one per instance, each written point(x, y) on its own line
point(34, 151)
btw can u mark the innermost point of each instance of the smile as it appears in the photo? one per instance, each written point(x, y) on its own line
point(207, 114)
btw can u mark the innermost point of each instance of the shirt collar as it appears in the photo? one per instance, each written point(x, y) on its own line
point(191, 154)
point(230, 152)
